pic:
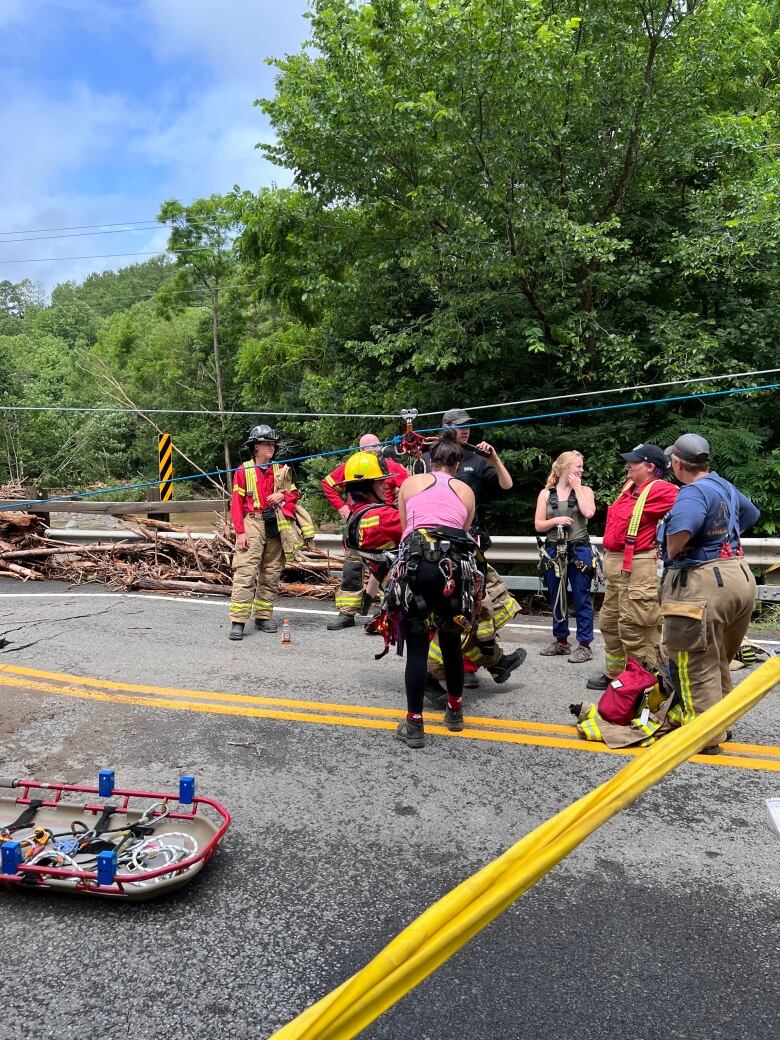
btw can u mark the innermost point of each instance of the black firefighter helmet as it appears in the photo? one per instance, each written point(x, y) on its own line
point(260, 433)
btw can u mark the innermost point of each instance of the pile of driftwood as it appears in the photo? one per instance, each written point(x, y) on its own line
point(162, 557)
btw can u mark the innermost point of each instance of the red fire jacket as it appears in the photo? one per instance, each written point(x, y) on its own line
point(241, 503)
point(659, 502)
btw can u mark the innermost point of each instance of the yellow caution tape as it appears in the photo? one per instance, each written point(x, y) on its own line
point(445, 927)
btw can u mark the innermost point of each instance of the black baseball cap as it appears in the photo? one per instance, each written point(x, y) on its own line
point(647, 453)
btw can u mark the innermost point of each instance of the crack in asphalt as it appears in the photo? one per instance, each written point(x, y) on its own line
point(44, 621)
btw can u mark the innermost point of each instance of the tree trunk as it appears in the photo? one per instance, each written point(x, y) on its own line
point(218, 378)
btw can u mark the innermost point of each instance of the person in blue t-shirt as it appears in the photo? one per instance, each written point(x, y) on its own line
point(707, 591)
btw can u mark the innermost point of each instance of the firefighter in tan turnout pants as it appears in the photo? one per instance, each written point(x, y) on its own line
point(630, 619)
point(264, 498)
point(707, 591)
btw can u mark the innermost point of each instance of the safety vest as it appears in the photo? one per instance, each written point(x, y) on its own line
point(633, 525)
point(250, 475)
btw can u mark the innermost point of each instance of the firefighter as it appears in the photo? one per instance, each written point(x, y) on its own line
point(630, 617)
point(707, 590)
point(484, 474)
point(263, 496)
point(355, 597)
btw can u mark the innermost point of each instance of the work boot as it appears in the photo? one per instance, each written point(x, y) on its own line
point(236, 630)
point(598, 682)
point(266, 624)
point(507, 665)
point(341, 621)
point(435, 694)
point(411, 733)
point(556, 649)
point(581, 655)
point(453, 719)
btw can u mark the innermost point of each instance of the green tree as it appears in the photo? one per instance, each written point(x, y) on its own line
point(509, 199)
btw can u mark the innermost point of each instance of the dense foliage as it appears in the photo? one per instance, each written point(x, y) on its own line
point(494, 200)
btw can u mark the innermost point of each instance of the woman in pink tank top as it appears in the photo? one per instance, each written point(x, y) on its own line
point(434, 501)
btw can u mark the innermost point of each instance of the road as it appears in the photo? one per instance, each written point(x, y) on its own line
point(664, 924)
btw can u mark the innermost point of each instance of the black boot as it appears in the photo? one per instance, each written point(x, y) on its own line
point(598, 682)
point(236, 630)
point(435, 693)
point(507, 665)
point(341, 621)
point(366, 604)
point(266, 624)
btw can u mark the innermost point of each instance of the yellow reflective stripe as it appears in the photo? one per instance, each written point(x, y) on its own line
point(349, 599)
point(251, 483)
point(475, 655)
point(688, 712)
point(330, 481)
point(263, 604)
point(614, 660)
point(370, 521)
point(485, 628)
point(504, 613)
point(307, 530)
point(589, 726)
point(636, 516)
point(434, 652)
point(239, 491)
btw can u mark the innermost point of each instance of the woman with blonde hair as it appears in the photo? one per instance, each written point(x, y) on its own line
point(563, 509)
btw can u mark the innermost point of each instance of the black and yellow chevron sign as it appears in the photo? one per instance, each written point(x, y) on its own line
point(165, 451)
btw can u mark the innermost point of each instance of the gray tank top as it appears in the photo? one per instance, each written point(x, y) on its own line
point(579, 529)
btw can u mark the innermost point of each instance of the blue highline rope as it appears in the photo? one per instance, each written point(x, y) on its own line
point(78, 496)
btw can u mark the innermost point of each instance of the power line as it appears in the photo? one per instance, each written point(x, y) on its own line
point(115, 224)
point(79, 234)
point(99, 256)
point(377, 415)
point(343, 451)
point(615, 390)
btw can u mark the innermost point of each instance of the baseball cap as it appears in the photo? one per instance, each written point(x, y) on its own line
point(369, 441)
point(456, 417)
point(647, 453)
point(690, 448)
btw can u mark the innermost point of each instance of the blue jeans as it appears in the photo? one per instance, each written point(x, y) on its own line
point(579, 583)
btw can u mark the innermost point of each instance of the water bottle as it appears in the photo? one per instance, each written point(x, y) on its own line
point(286, 633)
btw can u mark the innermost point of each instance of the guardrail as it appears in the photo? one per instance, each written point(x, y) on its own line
point(507, 549)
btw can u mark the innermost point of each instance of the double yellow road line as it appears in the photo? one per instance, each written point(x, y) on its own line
point(323, 713)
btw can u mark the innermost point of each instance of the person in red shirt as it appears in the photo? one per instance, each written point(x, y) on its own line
point(630, 619)
point(260, 488)
point(353, 597)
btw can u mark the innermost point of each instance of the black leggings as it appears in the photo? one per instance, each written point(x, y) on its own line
point(429, 583)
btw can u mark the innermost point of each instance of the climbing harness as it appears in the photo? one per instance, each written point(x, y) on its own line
point(460, 561)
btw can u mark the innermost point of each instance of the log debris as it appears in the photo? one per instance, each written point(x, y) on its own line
point(154, 562)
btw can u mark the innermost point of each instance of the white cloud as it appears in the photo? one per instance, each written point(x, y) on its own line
point(193, 133)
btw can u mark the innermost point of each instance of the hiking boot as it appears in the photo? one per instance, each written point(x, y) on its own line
point(598, 682)
point(453, 719)
point(340, 621)
point(236, 630)
point(411, 733)
point(435, 694)
point(556, 649)
point(507, 665)
point(266, 624)
point(581, 655)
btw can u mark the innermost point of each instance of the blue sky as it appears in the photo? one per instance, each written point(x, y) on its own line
point(111, 106)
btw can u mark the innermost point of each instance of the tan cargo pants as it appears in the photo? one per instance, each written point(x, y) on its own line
point(257, 571)
point(706, 612)
point(498, 607)
point(349, 597)
point(630, 618)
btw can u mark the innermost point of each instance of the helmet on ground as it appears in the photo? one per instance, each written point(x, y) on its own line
point(364, 465)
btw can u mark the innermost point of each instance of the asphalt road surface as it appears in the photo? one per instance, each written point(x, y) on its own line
point(663, 924)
